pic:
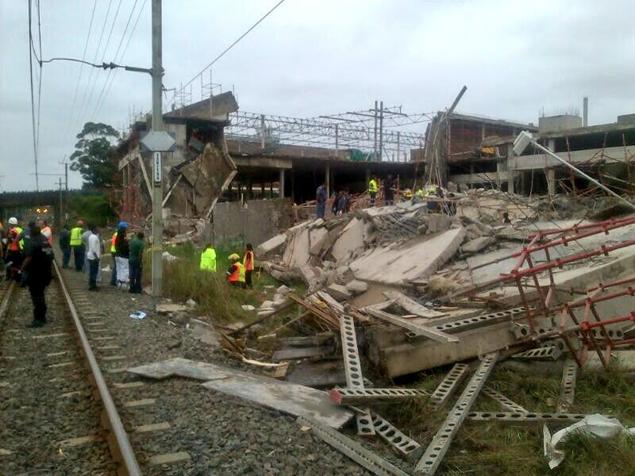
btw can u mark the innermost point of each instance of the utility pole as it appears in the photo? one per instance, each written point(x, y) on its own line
point(381, 131)
point(60, 219)
point(66, 176)
point(157, 125)
point(375, 133)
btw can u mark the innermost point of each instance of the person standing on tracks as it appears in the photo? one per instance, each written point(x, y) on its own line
point(77, 245)
point(37, 268)
point(45, 229)
point(136, 263)
point(65, 245)
point(15, 248)
point(92, 256)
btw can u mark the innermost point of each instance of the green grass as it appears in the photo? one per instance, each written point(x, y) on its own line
point(182, 280)
point(493, 449)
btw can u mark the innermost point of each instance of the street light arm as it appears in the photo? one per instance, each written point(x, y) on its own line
point(550, 153)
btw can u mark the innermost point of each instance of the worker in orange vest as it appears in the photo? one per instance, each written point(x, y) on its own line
point(249, 264)
point(235, 273)
point(15, 249)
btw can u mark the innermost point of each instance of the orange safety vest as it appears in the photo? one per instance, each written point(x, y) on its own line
point(234, 276)
point(15, 242)
point(113, 240)
point(248, 260)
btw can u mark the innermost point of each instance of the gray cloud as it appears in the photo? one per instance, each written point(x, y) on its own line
point(314, 57)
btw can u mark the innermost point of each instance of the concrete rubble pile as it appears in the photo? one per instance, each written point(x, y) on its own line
point(397, 290)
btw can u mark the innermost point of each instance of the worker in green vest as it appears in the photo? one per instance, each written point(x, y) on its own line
point(373, 188)
point(77, 245)
point(208, 259)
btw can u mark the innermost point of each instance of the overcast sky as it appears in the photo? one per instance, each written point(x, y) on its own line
point(311, 57)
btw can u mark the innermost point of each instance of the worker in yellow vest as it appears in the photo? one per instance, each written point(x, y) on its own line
point(77, 245)
point(373, 188)
point(208, 259)
point(249, 263)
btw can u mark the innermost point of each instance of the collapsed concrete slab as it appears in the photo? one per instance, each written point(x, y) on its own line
point(294, 399)
point(350, 241)
point(416, 259)
point(271, 244)
point(477, 244)
point(339, 292)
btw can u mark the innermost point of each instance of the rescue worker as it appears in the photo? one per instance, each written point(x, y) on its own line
point(249, 262)
point(320, 201)
point(46, 231)
point(136, 262)
point(93, 255)
point(235, 271)
point(373, 188)
point(37, 266)
point(15, 248)
point(208, 259)
point(65, 245)
point(77, 246)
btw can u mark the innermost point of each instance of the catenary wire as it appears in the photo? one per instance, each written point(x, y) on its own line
point(234, 43)
point(35, 158)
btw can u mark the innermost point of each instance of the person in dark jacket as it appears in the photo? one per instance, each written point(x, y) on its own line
point(136, 263)
point(320, 201)
point(122, 255)
point(65, 245)
point(37, 268)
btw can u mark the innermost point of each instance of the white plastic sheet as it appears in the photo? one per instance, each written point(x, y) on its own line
point(123, 272)
point(598, 425)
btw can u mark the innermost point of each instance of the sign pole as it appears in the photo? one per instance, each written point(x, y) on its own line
point(157, 125)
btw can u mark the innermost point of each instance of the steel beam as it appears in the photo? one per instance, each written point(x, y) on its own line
point(567, 386)
point(353, 370)
point(449, 384)
point(431, 459)
point(352, 449)
point(429, 332)
point(347, 396)
point(520, 417)
point(505, 403)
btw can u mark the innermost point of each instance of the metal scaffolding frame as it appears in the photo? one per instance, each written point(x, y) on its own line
point(370, 131)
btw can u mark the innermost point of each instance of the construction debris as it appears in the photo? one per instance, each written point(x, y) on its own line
point(404, 290)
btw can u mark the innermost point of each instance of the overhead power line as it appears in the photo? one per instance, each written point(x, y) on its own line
point(121, 57)
point(39, 88)
point(252, 27)
point(81, 69)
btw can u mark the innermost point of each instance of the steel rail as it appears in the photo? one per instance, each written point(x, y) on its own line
point(6, 299)
point(119, 446)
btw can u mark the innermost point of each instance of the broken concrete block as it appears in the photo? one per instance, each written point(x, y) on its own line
point(356, 287)
point(168, 308)
point(309, 275)
point(248, 307)
point(437, 222)
point(350, 240)
point(478, 244)
point(205, 333)
point(266, 304)
point(415, 259)
point(191, 303)
point(339, 292)
point(271, 244)
point(283, 290)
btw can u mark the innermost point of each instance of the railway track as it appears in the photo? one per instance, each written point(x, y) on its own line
point(58, 415)
point(68, 406)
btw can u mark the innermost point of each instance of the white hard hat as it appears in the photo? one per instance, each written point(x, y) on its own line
point(13, 221)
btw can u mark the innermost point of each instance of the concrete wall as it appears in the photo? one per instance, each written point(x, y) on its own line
point(562, 122)
point(254, 222)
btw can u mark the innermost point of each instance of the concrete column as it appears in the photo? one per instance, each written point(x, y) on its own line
point(281, 194)
point(511, 171)
point(551, 181)
point(327, 179)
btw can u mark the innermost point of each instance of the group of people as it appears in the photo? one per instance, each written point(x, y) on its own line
point(239, 274)
point(340, 205)
point(28, 258)
point(86, 246)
